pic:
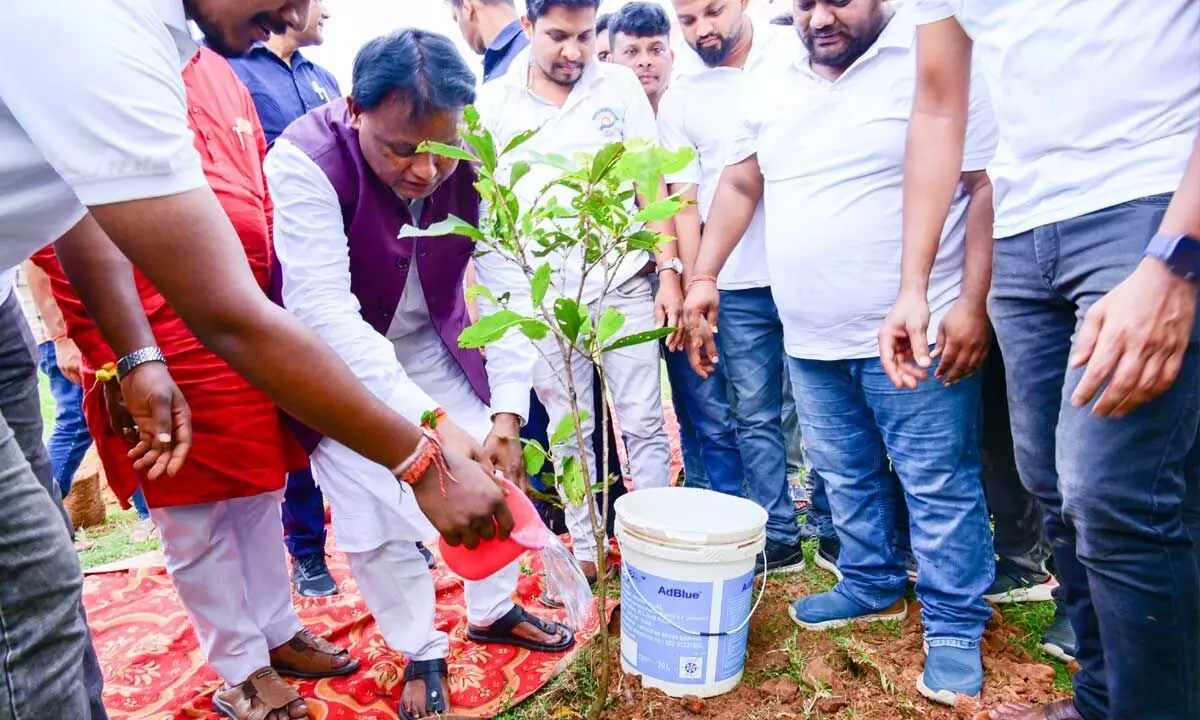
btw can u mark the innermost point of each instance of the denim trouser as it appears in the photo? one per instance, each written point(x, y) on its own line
point(1016, 513)
point(707, 433)
point(1121, 496)
point(751, 346)
point(854, 420)
point(139, 505)
point(303, 515)
point(70, 439)
point(48, 666)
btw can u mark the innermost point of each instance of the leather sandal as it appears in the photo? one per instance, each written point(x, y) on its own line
point(262, 696)
point(437, 693)
point(501, 632)
point(1058, 710)
point(308, 656)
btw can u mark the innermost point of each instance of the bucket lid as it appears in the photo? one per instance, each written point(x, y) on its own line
point(691, 515)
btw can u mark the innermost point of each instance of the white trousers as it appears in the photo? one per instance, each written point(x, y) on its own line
point(634, 377)
point(229, 566)
point(398, 589)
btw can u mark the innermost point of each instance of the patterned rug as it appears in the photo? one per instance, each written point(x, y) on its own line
point(153, 667)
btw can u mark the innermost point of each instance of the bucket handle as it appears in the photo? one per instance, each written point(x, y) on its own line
point(763, 591)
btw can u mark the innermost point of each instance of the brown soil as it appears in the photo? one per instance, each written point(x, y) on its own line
point(867, 673)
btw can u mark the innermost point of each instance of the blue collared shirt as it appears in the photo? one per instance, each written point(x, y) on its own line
point(281, 93)
point(499, 55)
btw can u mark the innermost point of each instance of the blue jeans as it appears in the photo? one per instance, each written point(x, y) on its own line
point(70, 440)
point(303, 515)
point(1121, 496)
point(854, 421)
point(707, 432)
point(751, 346)
point(139, 505)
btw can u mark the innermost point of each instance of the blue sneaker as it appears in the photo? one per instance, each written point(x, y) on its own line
point(311, 577)
point(950, 672)
point(829, 610)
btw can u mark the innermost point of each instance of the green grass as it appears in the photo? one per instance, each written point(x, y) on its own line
point(1031, 621)
point(112, 540)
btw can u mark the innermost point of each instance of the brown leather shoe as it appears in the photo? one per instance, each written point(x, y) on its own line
point(263, 696)
point(1059, 710)
point(309, 656)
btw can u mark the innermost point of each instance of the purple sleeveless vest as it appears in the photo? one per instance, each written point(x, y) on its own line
point(379, 260)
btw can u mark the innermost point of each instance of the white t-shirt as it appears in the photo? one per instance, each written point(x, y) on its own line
point(1097, 101)
point(696, 112)
point(92, 111)
point(832, 160)
point(606, 105)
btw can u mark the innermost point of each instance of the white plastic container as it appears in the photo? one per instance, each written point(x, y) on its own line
point(687, 587)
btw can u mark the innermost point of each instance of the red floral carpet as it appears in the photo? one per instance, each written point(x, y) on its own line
point(153, 667)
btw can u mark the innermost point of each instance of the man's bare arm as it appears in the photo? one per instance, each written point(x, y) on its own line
point(738, 194)
point(687, 227)
point(43, 298)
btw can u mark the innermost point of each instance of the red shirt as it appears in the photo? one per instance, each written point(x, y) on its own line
point(240, 448)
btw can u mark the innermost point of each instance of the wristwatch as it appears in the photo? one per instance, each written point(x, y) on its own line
point(1181, 253)
point(137, 358)
point(673, 264)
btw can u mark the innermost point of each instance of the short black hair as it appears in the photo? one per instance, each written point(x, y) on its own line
point(421, 67)
point(458, 3)
point(602, 23)
point(639, 20)
point(534, 9)
point(784, 19)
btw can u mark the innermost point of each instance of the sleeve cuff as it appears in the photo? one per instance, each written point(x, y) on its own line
point(511, 398)
point(411, 401)
point(140, 187)
point(738, 154)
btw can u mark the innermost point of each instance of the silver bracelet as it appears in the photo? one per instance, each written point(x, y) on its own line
point(137, 358)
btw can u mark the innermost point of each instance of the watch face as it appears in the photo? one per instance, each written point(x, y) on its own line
point(1185, 257)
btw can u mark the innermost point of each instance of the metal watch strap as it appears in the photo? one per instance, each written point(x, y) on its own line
point(137, 358)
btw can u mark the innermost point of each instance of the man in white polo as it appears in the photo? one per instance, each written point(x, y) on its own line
point(581, 105)
point(1097, 252)
point(122, 163)
point(822, 143)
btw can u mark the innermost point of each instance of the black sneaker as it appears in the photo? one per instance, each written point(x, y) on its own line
point(430, 560)
point(1059, 640)
point(780, 558)
point(1015, 584)
point(826, 557)
point(311, 577)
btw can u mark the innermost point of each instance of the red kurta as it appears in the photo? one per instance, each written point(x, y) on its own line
point(240, 447)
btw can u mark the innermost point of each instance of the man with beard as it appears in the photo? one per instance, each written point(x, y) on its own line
point(285, 85)
point(696, 113)
point(345, 180)
point(122, 165)
point(579, 105)
point(822, 143)
point(640, 36)
point(1093, 299)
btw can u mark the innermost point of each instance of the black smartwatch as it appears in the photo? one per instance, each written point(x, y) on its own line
point(1181, 253)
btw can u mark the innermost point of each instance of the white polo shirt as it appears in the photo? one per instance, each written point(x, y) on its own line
point(92, 111)
point(1097, 101)
point(606, 105)
point(696, 112)
point(832, 159)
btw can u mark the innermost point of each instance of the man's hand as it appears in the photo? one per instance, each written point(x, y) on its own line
point(667, 304)
point(904, 340)
point(67, 356)
point(472, 507)
point(161, 417)
point(700, 324)
point(455, 439)
point(1135, 338)
point(964, 338)
point(503, 447)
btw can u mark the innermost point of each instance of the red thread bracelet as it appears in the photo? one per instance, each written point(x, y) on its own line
point(701, 278)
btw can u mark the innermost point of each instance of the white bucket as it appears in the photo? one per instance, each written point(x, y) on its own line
point(687, 585)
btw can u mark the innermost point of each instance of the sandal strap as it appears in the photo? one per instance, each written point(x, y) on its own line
point(421, 669)
point(272, 690)
point(516, 617)
point(308, 640)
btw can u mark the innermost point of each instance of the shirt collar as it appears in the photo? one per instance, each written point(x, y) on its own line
point(505, 38)
point(173, 15)
point(262, 50)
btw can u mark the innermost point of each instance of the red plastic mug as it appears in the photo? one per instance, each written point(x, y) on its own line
point(491, 556)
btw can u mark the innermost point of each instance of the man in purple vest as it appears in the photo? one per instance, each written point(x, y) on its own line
point(345, 178)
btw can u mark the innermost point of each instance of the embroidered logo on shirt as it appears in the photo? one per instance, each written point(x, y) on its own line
point(606, 121)
point(244, 129)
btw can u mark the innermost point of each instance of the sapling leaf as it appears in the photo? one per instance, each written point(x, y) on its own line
point(566, 428)
point(450, 226)
point(535, 329)
point(573, 485)
point(639, 338)
point(611, 320)
point(534, 456)
point(476, 290)
point(659, 210)
point(519, 140)
point(445, 150)
point(489, 328)
point(539, 284)
point(566, 312)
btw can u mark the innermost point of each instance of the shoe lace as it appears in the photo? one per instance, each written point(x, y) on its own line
point(312, 566)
